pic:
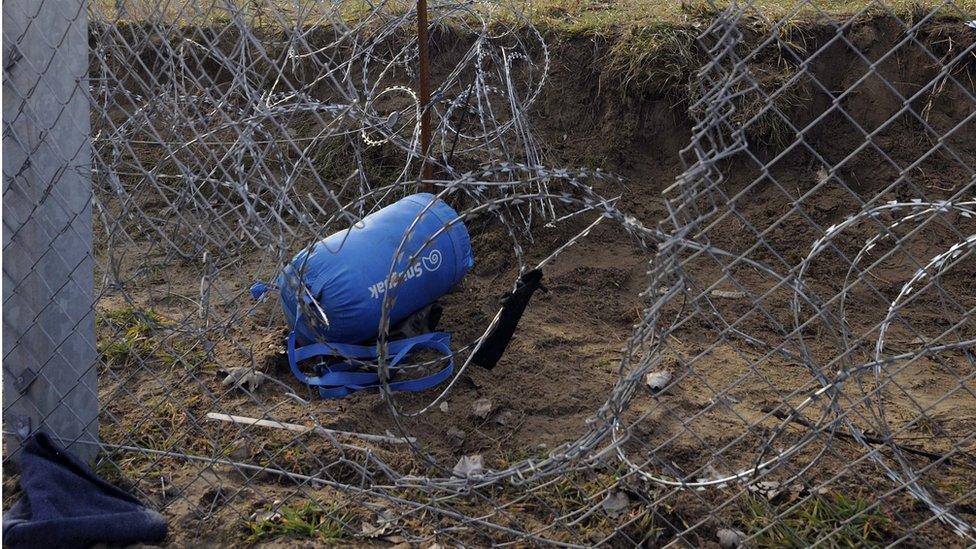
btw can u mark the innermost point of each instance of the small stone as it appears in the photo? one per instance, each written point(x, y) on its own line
point(730, 539)
point(482, 407)
point(657, 381)
point(265, 516)
point(243, 377)
point(375, 530)
point(469, 466)
point(616, 504)
point(505, 418)
point(456, 434)
point(769, 489)
point(444, 407)
point(240, 450)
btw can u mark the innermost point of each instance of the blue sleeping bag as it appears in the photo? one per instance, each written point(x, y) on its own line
point(343, 280)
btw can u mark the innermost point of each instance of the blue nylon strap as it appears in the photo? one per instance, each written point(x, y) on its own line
point(258, 289)
point(339, 380)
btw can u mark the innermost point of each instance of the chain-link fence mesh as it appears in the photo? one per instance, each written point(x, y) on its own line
point(769, 343)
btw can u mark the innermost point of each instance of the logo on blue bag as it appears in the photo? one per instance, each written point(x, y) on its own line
point(430, 263)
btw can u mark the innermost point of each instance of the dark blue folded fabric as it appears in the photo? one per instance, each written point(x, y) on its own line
point(65, 505)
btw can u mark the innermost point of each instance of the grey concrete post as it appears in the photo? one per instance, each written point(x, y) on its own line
point(49, 355)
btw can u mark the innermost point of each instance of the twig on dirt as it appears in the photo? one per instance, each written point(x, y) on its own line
point(727, 294)
point(779, 414)
point(243, 420)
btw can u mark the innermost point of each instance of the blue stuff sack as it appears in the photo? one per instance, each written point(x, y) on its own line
point(344, 277)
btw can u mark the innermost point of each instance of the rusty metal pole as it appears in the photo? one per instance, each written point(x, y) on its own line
point(423, 91)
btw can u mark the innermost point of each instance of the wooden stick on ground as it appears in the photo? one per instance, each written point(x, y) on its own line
point(423, 46)
point(244, 420)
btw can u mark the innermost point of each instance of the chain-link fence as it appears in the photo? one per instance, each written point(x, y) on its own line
point(768, 343)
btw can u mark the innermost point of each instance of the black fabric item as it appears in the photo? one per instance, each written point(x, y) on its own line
point(513, 306)
point(65, 505)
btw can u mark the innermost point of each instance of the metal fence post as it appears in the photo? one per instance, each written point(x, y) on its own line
point(423, 87)
point(49, 351)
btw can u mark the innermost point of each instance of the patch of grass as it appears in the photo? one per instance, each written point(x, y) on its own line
point(288, 456)
point(763, 112)
point(140, 319)
point(108, 469)
point(309, 520)
point(565, 499)
point(600, 17)
point(660, 59)
point(568, 16)
point(134, 336)
point(834, 520)
point(157, 422)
